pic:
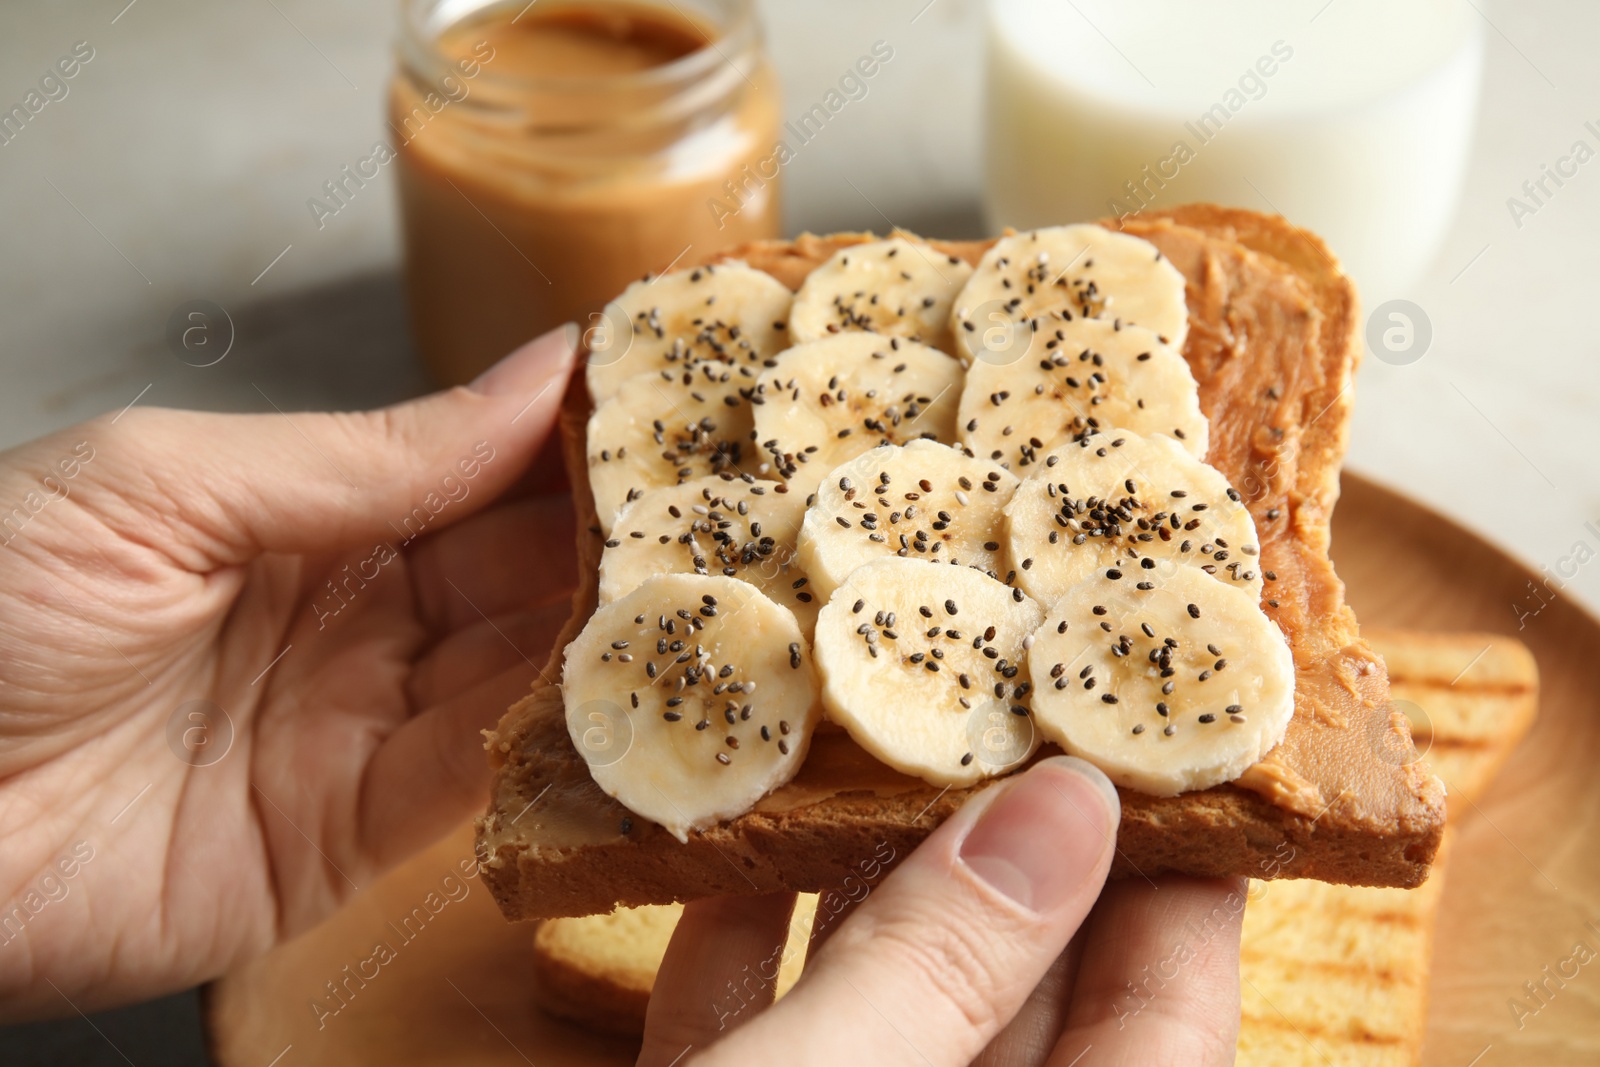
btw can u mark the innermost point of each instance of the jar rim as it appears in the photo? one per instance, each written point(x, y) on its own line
point(424, 22)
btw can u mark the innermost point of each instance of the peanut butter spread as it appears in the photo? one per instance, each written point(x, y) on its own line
point(1279, 419)
point(1271, 344)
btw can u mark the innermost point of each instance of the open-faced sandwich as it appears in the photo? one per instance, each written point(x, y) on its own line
point(867, 524)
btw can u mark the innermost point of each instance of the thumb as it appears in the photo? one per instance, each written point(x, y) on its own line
point(228, 487)
point(947, 949)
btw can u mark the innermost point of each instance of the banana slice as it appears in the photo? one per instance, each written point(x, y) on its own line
point(924, 667)
point(921, 500)
point(1122, 500)
point(1178, 686)
point(729, 314)
point(667, 428)
point(1064, 274)
point(690, 698)
point(737, 527)
point(896, 287)
point(828, 401)
point(1088, 375)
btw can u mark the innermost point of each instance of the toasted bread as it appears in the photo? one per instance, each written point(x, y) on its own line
point(1273, 345)
point(599, 970)
point(1335, 973)
point(1469, 697)
point(1339, 974)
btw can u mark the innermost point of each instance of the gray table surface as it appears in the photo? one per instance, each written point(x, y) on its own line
point(180, 162)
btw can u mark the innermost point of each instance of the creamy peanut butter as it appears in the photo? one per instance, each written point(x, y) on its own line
point(836, 766)
point(586, 150)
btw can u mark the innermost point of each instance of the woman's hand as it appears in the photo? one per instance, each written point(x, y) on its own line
point(244, 660)
point(991, 944)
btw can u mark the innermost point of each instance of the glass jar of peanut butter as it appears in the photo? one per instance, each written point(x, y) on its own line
point(551, 152)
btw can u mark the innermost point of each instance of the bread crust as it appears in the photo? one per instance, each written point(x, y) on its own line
point(1273, 343)
point(573, 981)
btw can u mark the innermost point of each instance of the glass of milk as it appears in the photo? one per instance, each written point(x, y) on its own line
point(1352, 118)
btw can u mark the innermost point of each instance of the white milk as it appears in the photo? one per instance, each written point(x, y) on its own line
point(1352, 118)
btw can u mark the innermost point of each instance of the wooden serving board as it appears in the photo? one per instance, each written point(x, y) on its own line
point(1524, 883)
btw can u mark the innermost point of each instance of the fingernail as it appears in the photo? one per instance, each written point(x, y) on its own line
point(1045, 835)
point(531, 367)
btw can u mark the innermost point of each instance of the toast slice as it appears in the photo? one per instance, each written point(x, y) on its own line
point(1339, 974)
point(1470, 698)
point(1273, 346)
point(1336, 973)
point(599, 970)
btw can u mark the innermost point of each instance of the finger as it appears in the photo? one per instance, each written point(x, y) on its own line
point(431, 772)
point(720, 970)
point(215, 490)
point(514, 556)
point(1159, 979)
point(484, 650)
point(1028, 1038)
point(948, 947)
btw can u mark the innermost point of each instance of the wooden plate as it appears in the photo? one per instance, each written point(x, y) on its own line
point(452, 981)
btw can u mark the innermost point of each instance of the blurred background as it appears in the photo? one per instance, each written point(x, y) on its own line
point(178, 162)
